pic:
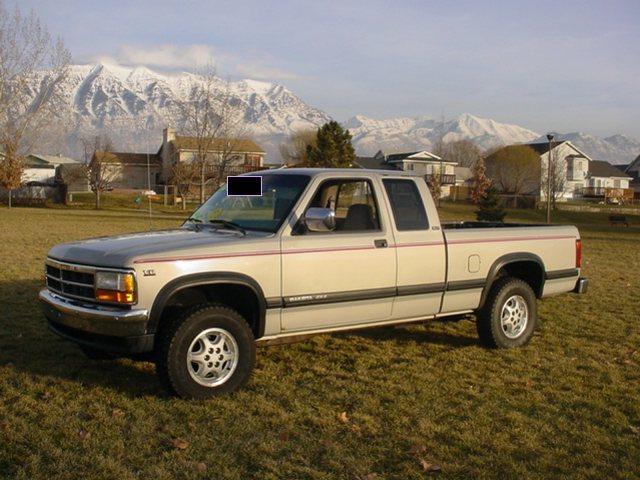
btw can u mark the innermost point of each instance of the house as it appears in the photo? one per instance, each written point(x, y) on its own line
point(130, 171)
point(583, 176)
point(42, 168)
point(241, 155)
point(422, 162)
point(141, 170)
point(574, 164)
point(606, 181)
point(633, 171)
point(38, 170)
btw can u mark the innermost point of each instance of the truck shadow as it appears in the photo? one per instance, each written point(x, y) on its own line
point(419, 334)
point(27, 345)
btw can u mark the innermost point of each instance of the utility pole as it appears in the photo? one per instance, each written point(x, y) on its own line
point(149, 181)
point(550, 138)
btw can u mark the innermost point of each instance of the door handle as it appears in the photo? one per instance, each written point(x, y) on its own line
point(381, 243)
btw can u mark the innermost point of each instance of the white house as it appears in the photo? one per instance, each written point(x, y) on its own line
point(574, 162)
point(422, 162)
point(605, 180)
point(583, 176)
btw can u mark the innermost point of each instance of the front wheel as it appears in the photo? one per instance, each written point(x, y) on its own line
point(207, 352)
point(509, 316)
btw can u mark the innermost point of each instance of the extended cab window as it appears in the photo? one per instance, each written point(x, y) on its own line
point(406, 203)
point(353, 202)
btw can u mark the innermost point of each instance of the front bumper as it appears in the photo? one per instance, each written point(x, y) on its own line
point(581, 285)
point(104, 328)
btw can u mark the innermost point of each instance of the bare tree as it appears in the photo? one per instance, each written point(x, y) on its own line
point(294, 149)
point(463, 152)
point(32, 69)
point(481, 182)
point(213, 118)
point(434, 181)
point(100, 164)
point(183, 176)
point(558, 176)
point(514, 170)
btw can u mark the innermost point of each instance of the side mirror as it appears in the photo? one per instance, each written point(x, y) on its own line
point(320, 219)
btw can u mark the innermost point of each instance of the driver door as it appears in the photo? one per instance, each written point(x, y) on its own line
point(341, 277)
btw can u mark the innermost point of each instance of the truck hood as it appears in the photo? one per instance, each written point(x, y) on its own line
point(121, 250)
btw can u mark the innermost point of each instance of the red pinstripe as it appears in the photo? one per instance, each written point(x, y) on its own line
point(342, 249)
point(507, 239)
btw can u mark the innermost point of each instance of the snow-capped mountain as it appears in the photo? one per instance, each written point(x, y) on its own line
point(133, 105)
point(370, 135)
point(615, 149)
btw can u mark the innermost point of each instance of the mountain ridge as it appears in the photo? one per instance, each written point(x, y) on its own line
point(132, 105)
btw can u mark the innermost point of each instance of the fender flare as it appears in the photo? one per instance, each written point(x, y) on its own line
point(505, 260)
point(201, 279)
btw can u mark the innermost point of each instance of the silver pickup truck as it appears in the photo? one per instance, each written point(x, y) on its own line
point(319, 251)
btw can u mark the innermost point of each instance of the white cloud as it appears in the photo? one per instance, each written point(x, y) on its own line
point(169, 57)
point(258, 71)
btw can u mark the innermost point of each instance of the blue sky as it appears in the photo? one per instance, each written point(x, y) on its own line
point(562, 65)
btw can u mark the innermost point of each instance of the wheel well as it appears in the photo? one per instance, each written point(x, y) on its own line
point(239, 297)
point(527, 270)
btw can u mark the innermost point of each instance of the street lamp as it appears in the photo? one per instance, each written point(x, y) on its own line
point(550, 138)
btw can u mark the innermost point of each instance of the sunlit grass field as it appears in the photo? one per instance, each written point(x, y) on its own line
point(387, 403)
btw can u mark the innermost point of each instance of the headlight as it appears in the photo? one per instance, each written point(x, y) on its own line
point(115, 287)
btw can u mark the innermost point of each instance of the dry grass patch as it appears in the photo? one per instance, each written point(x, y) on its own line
point(384, 403)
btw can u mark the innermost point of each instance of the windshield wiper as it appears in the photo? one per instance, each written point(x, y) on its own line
point(231, 225)
point(193, 219)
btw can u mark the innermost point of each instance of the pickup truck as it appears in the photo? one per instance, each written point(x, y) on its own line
point(321, 250)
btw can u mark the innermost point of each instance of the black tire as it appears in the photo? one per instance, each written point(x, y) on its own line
point(95, 354)
point(488, 323)
point(173, 344)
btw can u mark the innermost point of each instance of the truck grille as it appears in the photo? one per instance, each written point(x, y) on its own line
point(69, 280)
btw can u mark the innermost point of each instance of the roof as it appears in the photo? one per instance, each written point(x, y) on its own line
point(127, 158)
point(600, 168)
point(373, 163)
point(31, 161)
point(54, 159)
point(635, 165)
point(219, 144)
point(419, 155)
point(543, 147)
point(341, 171)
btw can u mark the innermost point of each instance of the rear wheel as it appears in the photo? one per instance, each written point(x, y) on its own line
point(509, 316)
point(208, 351)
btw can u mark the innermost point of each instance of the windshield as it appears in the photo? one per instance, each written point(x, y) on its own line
point(265, 213)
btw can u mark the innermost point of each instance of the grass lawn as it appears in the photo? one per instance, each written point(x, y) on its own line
point(379, 404)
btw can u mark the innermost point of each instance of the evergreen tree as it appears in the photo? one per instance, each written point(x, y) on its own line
point(490, 207)
point(333, 148)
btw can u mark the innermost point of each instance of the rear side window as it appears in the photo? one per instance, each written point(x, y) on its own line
point(406, 203)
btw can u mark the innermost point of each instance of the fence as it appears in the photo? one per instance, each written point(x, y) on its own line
point(35, 193)
point(171, 195)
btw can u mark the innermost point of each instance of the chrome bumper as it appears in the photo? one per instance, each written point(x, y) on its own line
point(581, 285)
point(99, 320)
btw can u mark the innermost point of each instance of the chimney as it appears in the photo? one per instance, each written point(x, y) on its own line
point(168, 134)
